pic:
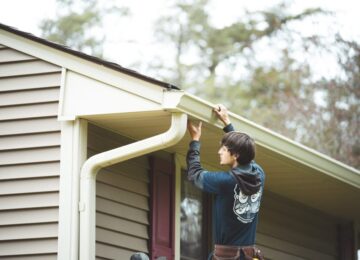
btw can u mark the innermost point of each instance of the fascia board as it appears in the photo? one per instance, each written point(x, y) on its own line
point(79, 65)
point(277, 143)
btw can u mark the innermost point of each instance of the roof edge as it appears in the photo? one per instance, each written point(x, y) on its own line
point(275, 142)
point(87, 57)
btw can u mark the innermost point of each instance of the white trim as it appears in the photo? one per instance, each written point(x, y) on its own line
point(73, 154)
point(177, 206)
point(62, 93)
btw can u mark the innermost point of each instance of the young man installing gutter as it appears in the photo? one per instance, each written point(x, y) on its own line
point(237, 192)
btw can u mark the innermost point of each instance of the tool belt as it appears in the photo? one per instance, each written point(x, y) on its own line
point(222, 252)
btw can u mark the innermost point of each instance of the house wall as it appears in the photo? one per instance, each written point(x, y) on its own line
point(29, 156)
point(122, 200)
point(291, 231)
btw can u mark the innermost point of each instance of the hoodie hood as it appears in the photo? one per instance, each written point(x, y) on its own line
point(248, 178)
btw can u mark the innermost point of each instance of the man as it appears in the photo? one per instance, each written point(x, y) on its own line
point(237, 192)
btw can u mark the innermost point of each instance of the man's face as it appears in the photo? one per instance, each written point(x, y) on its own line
point(226, 158)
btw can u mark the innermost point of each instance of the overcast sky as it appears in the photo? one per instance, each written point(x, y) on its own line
point(133, 41)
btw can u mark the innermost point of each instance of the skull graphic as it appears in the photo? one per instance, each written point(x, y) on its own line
point(246, 206)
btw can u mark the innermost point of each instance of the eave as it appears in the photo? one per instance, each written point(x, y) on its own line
point(293, 171)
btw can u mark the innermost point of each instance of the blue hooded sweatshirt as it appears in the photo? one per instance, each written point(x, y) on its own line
point(236, 204)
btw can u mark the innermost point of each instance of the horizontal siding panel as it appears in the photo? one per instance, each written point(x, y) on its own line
point(30, 156)
point(122, 211)
point(10, 172)
point(121, 225)
point(27, 68)
point(43, 246)
point(123, 182)
point(274, 254)
point(121, 240)
point(28, 126)
point(140, 162)
point(298, 212)
point(122, 207)
point(131, 169)
point(29, 186)
point(104, 140)
point(291, 249)
point(29, 141)
point(110, 252)
point(29, 111)
point(34, 231)
point(10, 55)
point(29, 216)
point(298, 224)
point(101, 140)
point(30, 82)
point(33, 257)
point(29, 96)
point(122, 196)
point(298, 232)
point(28, 201)
point(128, 168)
point(97, 133)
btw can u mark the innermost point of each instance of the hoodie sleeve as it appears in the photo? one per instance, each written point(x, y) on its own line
point(228, 128)
point(194, 169)
point(213, 182)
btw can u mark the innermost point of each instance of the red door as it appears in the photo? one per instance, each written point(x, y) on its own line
point(162, 209)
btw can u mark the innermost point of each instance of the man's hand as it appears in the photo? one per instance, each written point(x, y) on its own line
point(222, 113)
point(194, 130)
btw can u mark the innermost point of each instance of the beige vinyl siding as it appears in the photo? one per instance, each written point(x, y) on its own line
point(291, 231)
point(122, 196)
point(29, 156)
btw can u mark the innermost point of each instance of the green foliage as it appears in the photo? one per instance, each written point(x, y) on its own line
point(281, 95)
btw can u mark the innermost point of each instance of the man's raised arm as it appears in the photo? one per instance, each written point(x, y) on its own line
point(222, 113)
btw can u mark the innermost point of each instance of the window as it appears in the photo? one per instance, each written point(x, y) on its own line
point(195, 232)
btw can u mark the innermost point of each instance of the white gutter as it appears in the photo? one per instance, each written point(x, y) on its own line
point(273, 141)
point(92, 166)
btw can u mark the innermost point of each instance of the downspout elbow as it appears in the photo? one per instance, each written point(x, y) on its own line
point(172, 136)
point(91, 167)
point(176, 131)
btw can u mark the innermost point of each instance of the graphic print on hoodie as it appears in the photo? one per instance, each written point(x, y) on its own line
point(246, 206)
point(247, 193)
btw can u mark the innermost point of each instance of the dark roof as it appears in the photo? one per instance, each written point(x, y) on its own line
point(96, 60)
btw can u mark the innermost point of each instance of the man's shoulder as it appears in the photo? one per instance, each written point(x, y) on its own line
point(258, 167)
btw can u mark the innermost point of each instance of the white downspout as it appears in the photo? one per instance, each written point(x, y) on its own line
point(91, 167)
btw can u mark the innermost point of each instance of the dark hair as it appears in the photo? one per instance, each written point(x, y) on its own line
point(241, 145)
